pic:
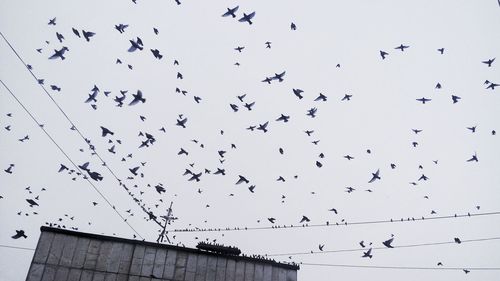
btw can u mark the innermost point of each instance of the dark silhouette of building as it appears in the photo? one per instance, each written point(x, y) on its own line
point(63, 255)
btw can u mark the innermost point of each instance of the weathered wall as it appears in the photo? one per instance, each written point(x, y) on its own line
point(66, 257)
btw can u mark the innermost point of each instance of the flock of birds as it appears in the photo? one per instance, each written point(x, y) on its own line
point(192, 173)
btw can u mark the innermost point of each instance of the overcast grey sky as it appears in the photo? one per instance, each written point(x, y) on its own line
point(380, 117)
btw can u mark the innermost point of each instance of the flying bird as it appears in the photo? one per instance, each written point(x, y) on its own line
point(263, 127)
point(298, 93)
point(137, 98)
point(106, 132)
point(388, 243)
point(383, 54)
point(424, 100)
point(402, 47)
point(231, 12)
point(489, 62)
point(247, 18)
point(20, 233)
point(279, 77)
point(121, 27)
point(59, 53)
point(367, 254)
point(304, 219)
point(375, 176)
point(242, 179)
point(473, 158)
point(52, 21)
point(137, 44)
point(87, 35)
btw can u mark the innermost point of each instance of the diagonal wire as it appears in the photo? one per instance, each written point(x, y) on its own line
point(67, 156)
point(91, 147)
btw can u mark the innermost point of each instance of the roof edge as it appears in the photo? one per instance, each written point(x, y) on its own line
point(165, 246)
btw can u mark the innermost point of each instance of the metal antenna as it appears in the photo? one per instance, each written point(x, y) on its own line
point(168, 218)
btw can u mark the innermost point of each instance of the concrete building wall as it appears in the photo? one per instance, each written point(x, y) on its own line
point(71, 256)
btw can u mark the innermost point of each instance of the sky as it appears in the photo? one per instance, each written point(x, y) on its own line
point(335, 50)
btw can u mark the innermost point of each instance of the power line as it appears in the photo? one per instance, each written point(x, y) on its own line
point(67, 156)
point(91, 147)
point(345, 223)
point(384, 248)
point(15, 247)
point(402, 267)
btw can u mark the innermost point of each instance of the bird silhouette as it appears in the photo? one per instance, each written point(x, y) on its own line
point(388, 243)
point(383, 54)
point(402, 47)
point(489, 62)
point(137, 98)
point(367, 254)
point(121, 27)
point(424, 100)
point(304, 219)
point(52, 21)
point(87, 35)
point(20, 233)
point(247, 18)
point(59, 53)
point(231, 12)
point(135, 45)
point(375, 176)
point(242, 179)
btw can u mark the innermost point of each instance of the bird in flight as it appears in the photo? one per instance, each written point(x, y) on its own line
point(424, 100)
point(298, 92)
point(20, 233)
point(492, 86)
point(137, 98)
point(87, 35)
point(304, 219)
point(121, 27)
point(293, 26)
point(473, 158)
point(367, 254)
point(52, 21)
point(247, 18)
point(489, 62)
point(135, 45)
point(455, 98)
point(388, 243)
point(441, 50)
point(375, 176)
point(383, 54)
point(279, 77)
point(242, 179)
point(231, 12)
point(239, 49)
point(59, 53)
point(402, 47)
point(263, 127)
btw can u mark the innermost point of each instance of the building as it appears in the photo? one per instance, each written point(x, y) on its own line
point(63, 255)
